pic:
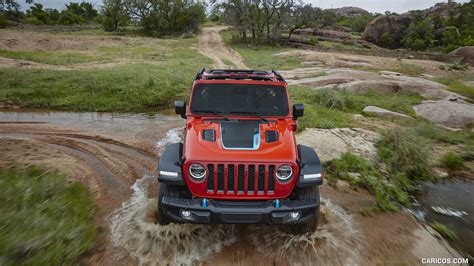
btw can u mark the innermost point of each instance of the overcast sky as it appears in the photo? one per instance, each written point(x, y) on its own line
point(380, 6)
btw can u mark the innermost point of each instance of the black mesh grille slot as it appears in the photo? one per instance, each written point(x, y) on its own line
point(241, 177)
point(271, 136)
point(261, 178)
point(251, 178)
point(220, 177)
point(271, 178)
point(230, 178)
point(210, 177)
point(209, 135)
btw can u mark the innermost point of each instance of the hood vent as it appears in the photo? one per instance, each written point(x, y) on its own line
point(209, 135)
point(271, 136)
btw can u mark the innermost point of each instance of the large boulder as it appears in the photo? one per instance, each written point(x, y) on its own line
point(396, 25)
point(350, 11)
point(450, 112)
point(466, 52)
point(361, 81)
point(332, 143)
point(393, 25)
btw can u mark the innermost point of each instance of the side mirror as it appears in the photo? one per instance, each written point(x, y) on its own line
point(180, 108)
point(298, 110)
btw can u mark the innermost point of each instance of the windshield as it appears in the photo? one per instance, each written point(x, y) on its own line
point(244, 99)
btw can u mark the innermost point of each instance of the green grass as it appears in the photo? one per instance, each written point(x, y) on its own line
point(51, 58)
point(228, 62)
point(405, 153)
point(390, 192)
point(131, 87)
point(263, 56)
point(443, 230)
point(452, 161)
point(45, 220)
point(403, 160)
point(317, 115)
point(408, 69)
point(455, 85)
point(332, 108)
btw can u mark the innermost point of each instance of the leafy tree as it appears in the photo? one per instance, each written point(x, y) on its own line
point(68, 18)
point(160, 17)
point(38, 16)
point(386, 40)
point(356, 24)
point(10, 10)
point(84, 9)
point(114, 15)
point(304, 16)
point(419, 36)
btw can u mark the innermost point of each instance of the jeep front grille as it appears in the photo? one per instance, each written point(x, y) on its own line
point(241, 179)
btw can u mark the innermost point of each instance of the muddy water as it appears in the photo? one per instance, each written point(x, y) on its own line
point(451, 203)
point(102, 142)
point(137, 125)
point(135, 232)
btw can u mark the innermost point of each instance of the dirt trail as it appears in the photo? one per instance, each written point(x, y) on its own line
point(211, 45)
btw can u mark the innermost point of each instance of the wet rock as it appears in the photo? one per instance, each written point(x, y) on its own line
point(332, 143)
point(449, 112)
point(377, 111)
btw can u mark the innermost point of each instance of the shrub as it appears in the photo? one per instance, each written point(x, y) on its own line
point(386, 40)
point(33, 21)
point(3, 20)
point(452, 161)
point(69, 18)
point(389, 192)
point(332, 99)
point(312, 41)
point(405, 153)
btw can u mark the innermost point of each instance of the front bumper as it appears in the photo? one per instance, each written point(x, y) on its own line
point(238, 212)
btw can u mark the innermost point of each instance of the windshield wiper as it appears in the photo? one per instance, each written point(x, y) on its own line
point(251, 113)
point(213, 113)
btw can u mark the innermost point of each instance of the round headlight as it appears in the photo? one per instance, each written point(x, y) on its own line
point(197, 171)
point(284, 172)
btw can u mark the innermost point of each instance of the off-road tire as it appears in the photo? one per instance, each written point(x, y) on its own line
point(165, 190)
point(312, 224)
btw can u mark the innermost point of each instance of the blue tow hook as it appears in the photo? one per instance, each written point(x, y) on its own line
point(277, 203)
point(204, 203)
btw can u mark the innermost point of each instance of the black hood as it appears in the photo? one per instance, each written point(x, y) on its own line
point(241, 134)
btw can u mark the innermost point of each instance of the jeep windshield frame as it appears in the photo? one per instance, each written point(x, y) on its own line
point(254, 100)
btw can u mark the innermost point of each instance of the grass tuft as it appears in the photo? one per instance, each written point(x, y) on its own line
point(45, 220)
point(443, 230)
point(405, 153)
point(452, 161)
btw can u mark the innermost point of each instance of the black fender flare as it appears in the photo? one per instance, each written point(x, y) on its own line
point(169, 169)
point(311, 169)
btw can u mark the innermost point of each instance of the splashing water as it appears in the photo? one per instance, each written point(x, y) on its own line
point(335, 242)
point(134, 229)
point(172, 136)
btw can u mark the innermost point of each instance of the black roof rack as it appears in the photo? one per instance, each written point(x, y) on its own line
point(199, 73)
point(238, 74)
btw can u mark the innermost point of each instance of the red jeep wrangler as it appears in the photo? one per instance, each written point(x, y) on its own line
point(239, 161)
